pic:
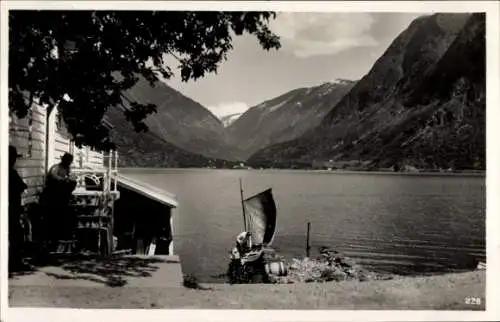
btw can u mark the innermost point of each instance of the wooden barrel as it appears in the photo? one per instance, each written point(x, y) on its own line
point(277, 268)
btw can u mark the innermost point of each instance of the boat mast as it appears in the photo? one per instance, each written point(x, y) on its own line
point(243, 207)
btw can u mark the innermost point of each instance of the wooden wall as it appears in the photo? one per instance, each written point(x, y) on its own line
point(28, 135)
point(84, 157)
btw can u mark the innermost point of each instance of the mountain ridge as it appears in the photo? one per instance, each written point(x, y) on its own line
point(377, 121)
point(284, 117)
point(179, 121)
point(227, 120)
point(148, 149)
point(422, 104)
point(181, 133)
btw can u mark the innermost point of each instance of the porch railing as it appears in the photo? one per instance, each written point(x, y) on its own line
point(93, 205)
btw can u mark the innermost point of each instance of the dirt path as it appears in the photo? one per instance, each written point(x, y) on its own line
point(446, 292)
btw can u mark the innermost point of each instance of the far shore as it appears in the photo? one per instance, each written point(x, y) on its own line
point(456, 173)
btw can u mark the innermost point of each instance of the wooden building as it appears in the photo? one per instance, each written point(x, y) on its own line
point(42, 141)
point(142, 221)
point(145, 221)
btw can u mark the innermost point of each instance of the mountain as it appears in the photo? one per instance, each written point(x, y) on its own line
point(179, 120)
point(422, 104)
point(285, 117)
point(229, 119)
point(150, 150)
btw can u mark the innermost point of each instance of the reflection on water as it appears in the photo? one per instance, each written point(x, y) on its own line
point(404, 224)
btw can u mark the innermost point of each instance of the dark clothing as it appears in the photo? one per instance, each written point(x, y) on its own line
point(16, 189)
point(56, 197)
point(58, 181)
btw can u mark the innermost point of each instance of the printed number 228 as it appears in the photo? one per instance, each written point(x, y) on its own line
point(473, 300)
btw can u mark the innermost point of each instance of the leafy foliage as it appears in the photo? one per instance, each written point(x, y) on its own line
point(93, 56)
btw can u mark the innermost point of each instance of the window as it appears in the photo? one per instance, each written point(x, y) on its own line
point(30, 133)
point(60, 125)
point(59, 122)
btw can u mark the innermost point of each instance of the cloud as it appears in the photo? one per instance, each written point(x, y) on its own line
point(312, 34)
point(227, 108)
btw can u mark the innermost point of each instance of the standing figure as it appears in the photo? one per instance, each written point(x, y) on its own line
point(16, 189)
point(57, 194)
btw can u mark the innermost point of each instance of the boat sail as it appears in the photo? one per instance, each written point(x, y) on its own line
point(260, 213)
point(248, 261)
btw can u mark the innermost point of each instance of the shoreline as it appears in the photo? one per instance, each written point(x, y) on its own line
point(428, 173)
point(333, 266)
point(385, 275)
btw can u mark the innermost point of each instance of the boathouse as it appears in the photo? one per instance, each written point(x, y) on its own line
point(145, 221)
point(123, 214)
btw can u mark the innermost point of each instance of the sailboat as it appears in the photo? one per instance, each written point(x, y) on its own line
point(259, 216)
point(259, 222)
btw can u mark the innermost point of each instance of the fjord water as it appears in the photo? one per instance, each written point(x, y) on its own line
point(406, 224)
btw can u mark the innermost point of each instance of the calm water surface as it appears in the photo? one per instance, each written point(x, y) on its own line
point(398, 223)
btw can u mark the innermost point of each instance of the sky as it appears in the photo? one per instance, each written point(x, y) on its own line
point(316, 48)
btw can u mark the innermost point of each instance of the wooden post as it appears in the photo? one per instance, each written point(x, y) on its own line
point(243, 207)
point(107, 176)
point(307, 239)
point(116, 171)
point(80, 162)
point(171, 246)
point(50, 132)
point(110, 161)
point(111, 223)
